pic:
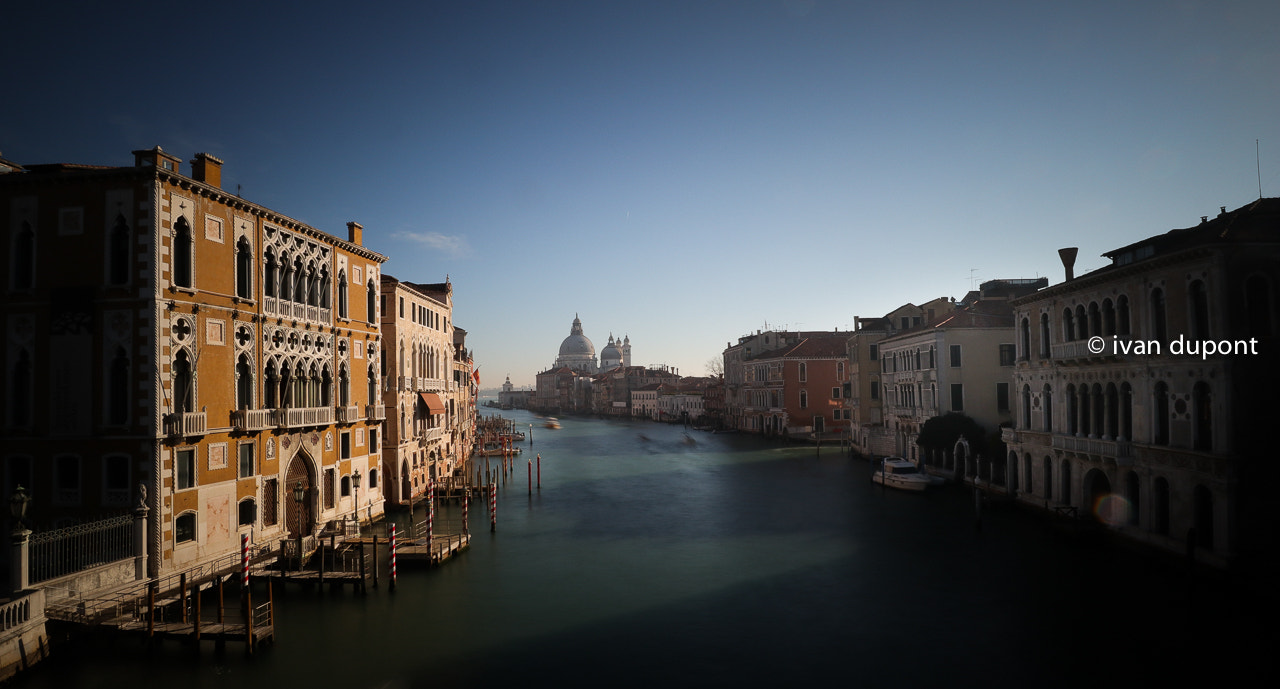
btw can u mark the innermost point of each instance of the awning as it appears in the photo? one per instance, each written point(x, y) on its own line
point(434, 404)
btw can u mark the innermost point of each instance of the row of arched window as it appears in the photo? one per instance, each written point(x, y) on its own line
point(422, 360)
point(22, 275)
point(910, 360)
point(1107, 412)
point(1113, 318)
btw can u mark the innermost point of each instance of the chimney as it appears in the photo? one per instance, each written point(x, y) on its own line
point(155, 157)
point(205, 168)
point(355, 232)
point(1068, 256)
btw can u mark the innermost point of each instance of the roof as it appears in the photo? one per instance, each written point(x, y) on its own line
point(824, 346)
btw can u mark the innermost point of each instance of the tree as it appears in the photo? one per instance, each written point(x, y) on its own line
point(715, 367)
point(942, 432)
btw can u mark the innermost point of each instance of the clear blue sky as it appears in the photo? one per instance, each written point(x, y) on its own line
point(680, 172)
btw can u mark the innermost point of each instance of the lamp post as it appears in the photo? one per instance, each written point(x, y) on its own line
point(18, 569)
point(298, 494)
point(355, 483)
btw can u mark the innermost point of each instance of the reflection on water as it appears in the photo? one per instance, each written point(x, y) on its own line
point(648, 560)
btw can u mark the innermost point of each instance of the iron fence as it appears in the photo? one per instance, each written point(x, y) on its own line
point(76, 548)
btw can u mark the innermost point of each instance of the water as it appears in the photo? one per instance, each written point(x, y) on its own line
point(654, 558)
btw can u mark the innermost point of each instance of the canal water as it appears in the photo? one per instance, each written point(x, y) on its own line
point(656, 556)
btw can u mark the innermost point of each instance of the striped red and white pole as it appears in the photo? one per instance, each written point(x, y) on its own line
point(393, 557)
point(431, 510)
point(466, 500)
point(493, 507)
point(244, 557)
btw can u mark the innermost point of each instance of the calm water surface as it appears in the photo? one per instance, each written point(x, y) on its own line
point(652, 558)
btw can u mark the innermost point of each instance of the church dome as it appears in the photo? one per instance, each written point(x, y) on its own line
point(577, 344)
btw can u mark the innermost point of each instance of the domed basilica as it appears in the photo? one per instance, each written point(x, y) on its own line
point(579, 354)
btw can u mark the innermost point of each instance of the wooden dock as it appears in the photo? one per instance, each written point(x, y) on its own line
point(441, 548)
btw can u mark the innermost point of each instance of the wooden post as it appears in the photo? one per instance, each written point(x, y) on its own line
point(320, 547)
point(248, 618)
point(539, 468)
point(196, 600)
point(151, 609)
point(182, 596)
point(219, 600)
point(531, 477)
point(375, 558)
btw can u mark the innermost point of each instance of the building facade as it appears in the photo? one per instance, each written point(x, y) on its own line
point(173, 345)
point(1120, 410)
point(426, 436)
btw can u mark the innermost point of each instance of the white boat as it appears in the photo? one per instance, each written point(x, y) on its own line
point(897, 472)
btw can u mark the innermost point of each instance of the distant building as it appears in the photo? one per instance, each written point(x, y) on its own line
point(787, 384)
point(1119, 412)
point(511, 398)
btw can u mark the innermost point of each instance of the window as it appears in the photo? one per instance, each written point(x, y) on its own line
point(184, 527)
point(1199, 310)
point(329, 479)
point(1044, 336)
point(1002, 397)
point(345, 490)
point(184, 468)
point(1160, 424)
point(244, 383)
point(182, 258)
point(115, 480)
point(875, 351)
point(246, 460)
point(1007, 352)
point(118, 389)
point(804, 399)
point(20, 391)
point(342, 294)
point(371, 303)
point(955, 355)
point(247, 513)
point(835, 393)
point(269, 274)
point(1257, 299)
point(1122, 315)
point(957, 397)
point(804, 372)
point(1025, 341)
point(244, 269)
point(184, 398)
point(24, 258)
point(1159, 325)
point(118, 253)
point(875, 389)
point(402, 307)
point(270, 500)
point(373, 440)
point(373, 473)
point(346, 445)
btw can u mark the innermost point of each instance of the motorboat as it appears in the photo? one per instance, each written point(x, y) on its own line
point(552, 423)
point(896, 472)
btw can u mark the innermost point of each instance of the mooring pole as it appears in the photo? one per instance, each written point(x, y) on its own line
point(182, 596)
point(493, 507)
point(393, 556)
point(539, 469)
point(375, 556)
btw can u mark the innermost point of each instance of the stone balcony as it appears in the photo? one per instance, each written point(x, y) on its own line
point(252, 419)
point(186, 424)
point(348, 414)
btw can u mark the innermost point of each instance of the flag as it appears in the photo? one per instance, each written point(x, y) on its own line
point(475, 375)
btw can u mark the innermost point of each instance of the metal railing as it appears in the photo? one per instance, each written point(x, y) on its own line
point(76, 548)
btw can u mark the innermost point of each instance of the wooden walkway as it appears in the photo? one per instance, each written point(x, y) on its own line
point(441, 548)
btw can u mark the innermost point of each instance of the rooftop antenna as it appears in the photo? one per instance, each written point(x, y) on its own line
point(1257, 153)
point(972, 279)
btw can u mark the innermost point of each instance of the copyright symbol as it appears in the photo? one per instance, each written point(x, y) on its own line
point(1097, 344)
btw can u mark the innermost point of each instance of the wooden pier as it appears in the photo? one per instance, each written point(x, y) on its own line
point(441, 548)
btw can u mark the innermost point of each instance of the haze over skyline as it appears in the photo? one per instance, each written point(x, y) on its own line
point(680, 172)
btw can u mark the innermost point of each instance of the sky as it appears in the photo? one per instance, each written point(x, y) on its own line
point(682, 173)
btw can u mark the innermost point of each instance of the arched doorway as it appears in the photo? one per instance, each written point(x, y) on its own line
point(300, 471)
point(1096, 488)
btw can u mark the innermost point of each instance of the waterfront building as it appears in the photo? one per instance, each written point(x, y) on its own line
point(426, 437)
point(1121, 411)
point(961, 361)
point(463, 393)
point(788, 384)
point(511, 398)
point(163, 333)
point(868, 433)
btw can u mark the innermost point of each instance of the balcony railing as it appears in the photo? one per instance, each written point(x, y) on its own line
point(1119, 449)
point(304, 416)
point(1079, 349)
point(375, 412)
point(252, 419)
point(349, 414)
point(406, 383)
point(187, 423)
